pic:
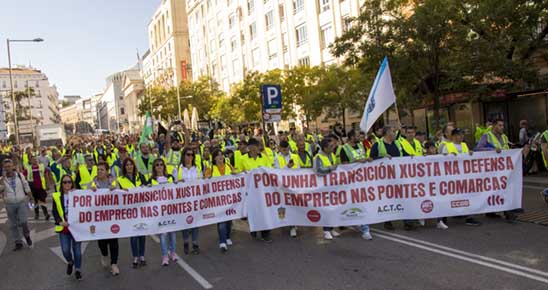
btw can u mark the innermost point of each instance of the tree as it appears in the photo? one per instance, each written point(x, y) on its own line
point(300, 83)
point(440, 46)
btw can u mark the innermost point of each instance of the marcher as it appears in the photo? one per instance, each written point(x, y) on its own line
point(132, 178)
point(71, 248)
point(39, 180)
point(105, 180)
point(187, 171)
point(15, 190)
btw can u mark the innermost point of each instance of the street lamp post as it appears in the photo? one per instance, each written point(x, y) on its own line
point(15, 124)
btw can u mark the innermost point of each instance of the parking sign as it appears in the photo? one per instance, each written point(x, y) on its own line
point(272, 103)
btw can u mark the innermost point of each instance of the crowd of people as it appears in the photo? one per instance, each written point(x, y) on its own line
point(124, 162)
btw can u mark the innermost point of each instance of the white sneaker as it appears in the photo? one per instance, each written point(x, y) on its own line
point(104, 262)
point(441, 226)
point(327, 235)
point(293, 232)
point(228, 242)
point(422, 222)
point(334, 233)
point(223, 247)
point(367, 236)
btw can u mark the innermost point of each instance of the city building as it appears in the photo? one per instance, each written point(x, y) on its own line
point(78, 118)
point(133, 89)
point(40, 109)
point(70, 100)
point(230, 38)
point(168, 59)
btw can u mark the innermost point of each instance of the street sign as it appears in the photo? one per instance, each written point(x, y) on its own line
point(272, 103)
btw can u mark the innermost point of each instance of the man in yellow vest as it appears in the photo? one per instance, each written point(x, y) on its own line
point(144, 160)
point(239, 155)
point(86, 172)
point(496, 140)
point(284, 159)
point(389, 147)
point(324, 163)
point(410, 145)
point(455, 147)
point(352, 152)
point(254, 159)
point(447, 129)
point(305, 158)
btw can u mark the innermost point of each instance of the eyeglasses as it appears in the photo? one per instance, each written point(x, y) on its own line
point(67, 181)
point(189, 154)
point(158, 165)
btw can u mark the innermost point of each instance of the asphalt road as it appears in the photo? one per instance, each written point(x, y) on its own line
point(496, 255)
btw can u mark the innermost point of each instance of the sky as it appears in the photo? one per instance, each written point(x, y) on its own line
point(84, 40)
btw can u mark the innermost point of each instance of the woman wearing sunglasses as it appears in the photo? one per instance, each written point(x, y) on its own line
point(167, 240)
point(105, 180)
point(71, 248)
point(221, 168)
point(132, 178)
point(188, 171)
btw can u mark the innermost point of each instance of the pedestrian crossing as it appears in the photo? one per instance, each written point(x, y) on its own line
point(536, 216)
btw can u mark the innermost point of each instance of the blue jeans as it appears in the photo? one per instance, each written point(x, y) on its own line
point(223, 229)
point(138, 246)
point(67, 244)
point(168, 243)
point(193, 232)
point(327, 229)
point(364, 228)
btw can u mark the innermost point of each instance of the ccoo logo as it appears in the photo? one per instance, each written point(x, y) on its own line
point(427, 206)
point(494, 200)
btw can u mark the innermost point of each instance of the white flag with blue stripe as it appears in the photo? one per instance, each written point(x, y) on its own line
point(381, 97)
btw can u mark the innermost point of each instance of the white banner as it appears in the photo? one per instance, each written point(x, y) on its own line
point(383, 190)
point(152, 210)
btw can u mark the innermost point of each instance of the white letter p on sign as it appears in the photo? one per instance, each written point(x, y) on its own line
point(271, 94)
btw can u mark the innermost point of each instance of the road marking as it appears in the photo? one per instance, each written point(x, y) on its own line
point(3, 221)
point(201, 280)
point(42, 235)
point(3, 241)
point(533, 274)
point(59, 253)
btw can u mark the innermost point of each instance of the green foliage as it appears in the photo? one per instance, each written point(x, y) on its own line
point(441, 46)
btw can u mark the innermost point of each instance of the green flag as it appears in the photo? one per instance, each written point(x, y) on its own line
point(147, 129)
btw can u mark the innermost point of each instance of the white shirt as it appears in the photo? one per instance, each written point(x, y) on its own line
point(187, 173)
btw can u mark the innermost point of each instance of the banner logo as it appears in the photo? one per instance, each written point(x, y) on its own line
point(167, 223)
point(114, 228)
point(314, 216)
point(390, 209)
point(353, 213)
point(281, 213)
point(494, 200)
point(189, 219)
point(140, 226)
point(460, 203)
point(427, 206)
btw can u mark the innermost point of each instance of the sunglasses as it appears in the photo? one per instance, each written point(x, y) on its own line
point(158, 164)
point(189, 154)
point(67, 181)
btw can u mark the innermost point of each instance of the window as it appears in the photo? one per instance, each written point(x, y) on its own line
point(233, 44)
point(15, 84)
point(223, 63)
point(250, 6)
point(256, 57)
point(305, 61)
point(272, 49)
point(4, 84)
point(232, 21)
point(324, 5)
point(269, 20)
point(298, 6)
point(234, 66)
point(122, 111)
point(282, 12)
point(326, 36)
point(347, 23)
point(301, 34)
point(284, 42)
point(252, 30)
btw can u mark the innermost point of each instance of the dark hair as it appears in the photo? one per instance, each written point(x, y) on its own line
point(325, 143)
point(61, 185)
point(103, 164)
point(429, 144)
point(284, 144)
point(386, 129)
point(410, 128)
point(216, 153)
point(498, 120)
point(420, 133)
point(156, 161)
point(124, 163)
point(351, 133)
point(185, 150)
point(253, 142)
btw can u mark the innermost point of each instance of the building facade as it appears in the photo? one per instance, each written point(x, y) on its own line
point(133, 89)
point(167, 62)
point(40, 109)
point(232, 37)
